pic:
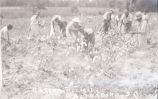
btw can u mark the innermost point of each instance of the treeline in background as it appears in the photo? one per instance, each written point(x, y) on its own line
point(149, 5)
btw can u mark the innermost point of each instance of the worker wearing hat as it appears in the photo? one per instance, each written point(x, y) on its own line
point(35, 25)
point(145, 24)
point(138, 18)
point(74, 29)
point(57, 21)
point(35, 18)
point(142, 28)
point(118, 21)
point(107, 21)
point(4, 33)
point(126, 22)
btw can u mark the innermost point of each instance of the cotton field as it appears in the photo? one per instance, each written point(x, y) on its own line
point(51, 68)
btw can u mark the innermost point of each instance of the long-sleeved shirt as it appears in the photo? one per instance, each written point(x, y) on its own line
point(3, 32)
point(35, 20)
point(73, 31)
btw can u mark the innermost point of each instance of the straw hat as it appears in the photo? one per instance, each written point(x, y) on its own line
point(57, 17)
point(138, 15)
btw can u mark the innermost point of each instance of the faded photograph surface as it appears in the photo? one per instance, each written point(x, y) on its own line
point(78, 49)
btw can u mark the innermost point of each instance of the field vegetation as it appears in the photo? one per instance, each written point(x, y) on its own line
point(43, 70)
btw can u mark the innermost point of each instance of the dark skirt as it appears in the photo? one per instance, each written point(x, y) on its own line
point(106, 26)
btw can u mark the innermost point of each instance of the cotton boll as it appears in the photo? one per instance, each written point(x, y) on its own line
point(97, 59)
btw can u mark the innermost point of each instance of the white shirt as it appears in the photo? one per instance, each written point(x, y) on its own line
point(117, 18)
point(112, 17)
point(145, 17)
point(106, 16)
point(34, 19)
point(4, 30)
point(124, 18)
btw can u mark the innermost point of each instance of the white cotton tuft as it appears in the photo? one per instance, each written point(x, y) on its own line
point(76, 19)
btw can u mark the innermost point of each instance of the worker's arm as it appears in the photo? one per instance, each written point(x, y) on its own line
point(8, 38)
point(5, 39)
point(53, 26)
point(101, 28)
